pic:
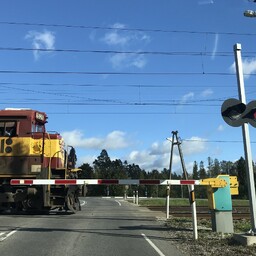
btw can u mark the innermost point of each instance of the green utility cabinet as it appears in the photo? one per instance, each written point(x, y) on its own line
point(220, 204)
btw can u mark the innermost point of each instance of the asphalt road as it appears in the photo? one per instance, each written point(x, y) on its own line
point(104, 227)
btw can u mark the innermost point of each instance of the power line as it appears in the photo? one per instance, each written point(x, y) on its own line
point(123, 28)
point(98, 101)
point(195, 102)
point(102, 102)
point(119, 102)
point(165, 53)
point(116, 73)
point(222, 54)
point(121, 85)
point(216, 141)
point(131, 113)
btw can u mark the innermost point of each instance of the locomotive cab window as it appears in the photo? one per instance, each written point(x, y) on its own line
point(37, 127)
point(7, 128)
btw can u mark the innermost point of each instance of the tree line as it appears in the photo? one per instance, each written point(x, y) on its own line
point(105, 168)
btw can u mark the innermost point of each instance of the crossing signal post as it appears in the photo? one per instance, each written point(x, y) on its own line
point(238, 113)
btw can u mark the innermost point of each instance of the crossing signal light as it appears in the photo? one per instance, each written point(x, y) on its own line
point(235, 113)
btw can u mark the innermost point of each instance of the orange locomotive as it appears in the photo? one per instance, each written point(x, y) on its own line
point(27, 151)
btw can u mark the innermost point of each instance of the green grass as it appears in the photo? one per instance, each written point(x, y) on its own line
point(173, 202)
point(240, 202)
point(185, 202)
point(240, 226)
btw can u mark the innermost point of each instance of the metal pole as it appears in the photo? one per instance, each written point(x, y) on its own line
point(193, 207)
point(167, 201)
point(246, 139)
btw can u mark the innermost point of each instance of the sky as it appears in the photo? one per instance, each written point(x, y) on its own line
point(123, 75)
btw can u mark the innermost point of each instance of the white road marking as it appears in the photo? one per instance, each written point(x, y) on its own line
point(153, 245)
point(118, 202)
point(82, 202)
point(4, 235)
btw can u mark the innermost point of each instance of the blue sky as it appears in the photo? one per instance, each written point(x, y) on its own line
point(122, 75)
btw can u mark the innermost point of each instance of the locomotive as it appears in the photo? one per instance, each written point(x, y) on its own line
point(27, 151)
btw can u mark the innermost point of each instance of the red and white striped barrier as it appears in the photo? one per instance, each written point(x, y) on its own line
point(101, 182)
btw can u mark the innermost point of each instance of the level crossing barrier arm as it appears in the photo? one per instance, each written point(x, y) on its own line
point(213, 182)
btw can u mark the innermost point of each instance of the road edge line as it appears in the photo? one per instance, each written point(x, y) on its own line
point(152, 245)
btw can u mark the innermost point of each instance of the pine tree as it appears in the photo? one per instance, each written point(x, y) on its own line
point(195, 174)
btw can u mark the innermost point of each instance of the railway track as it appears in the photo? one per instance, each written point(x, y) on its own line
point(203, 212)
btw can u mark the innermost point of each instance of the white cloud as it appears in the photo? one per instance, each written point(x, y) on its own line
point(220, 128)
point(249, 67)
point(191, 96)
point(194, 145)
point(205, 2)
point(114, 38)
point(113, 140)
point(41, 40)
point(118, 59)
point(215, 46)
point(121, 60)
point(185, 98)
point(148, 161)
point(160, 148)
point(206, 93)
point(158, 155)
point(123, 39)
point(118, 25)
point(139, 61)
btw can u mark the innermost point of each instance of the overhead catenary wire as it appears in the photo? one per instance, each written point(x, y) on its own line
point(69, 72)
point(110, 102)
point(142, 85)
point(102, 102)
point(123, 28)
point(167, 53)
point(117, 73)
point(216, 141)
point(97, 101)
point(170, 53)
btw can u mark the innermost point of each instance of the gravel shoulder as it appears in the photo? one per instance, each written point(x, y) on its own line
point(208, 243)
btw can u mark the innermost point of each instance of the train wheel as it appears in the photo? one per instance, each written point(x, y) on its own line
point(32, 203)
point(72, 202)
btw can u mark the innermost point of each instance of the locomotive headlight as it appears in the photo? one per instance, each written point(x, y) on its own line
point(8, 149)
point(8, 141)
